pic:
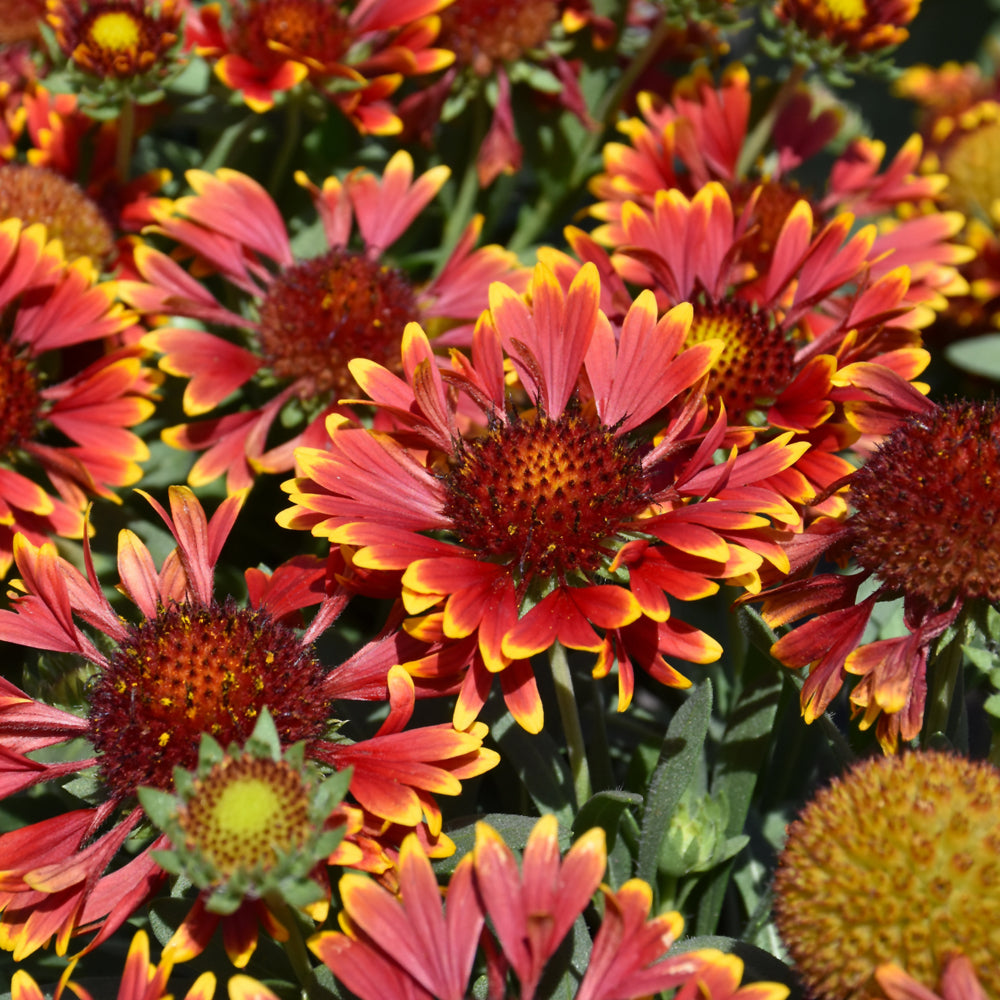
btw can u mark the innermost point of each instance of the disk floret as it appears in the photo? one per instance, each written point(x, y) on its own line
point(249, 822)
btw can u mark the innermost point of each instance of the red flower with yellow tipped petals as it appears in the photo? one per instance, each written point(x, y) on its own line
point(188, 664)
point(308, 318)
point(422, 944)
point(73, 424)
point(357, 54)
point(924, 528)
point(564, 513)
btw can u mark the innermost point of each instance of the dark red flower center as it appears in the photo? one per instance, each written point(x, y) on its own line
point(545, 496)
point(36, 194)
point(271, 31)
point(19, 396)
point(19, 20)
point(927, 506)
point(482, 33)
point(323, 312)
point(245, 812)
point(757, 362)
point(194, 670)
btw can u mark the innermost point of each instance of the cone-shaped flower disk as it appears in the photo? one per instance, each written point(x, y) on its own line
point(566, 508)
point(925, 527)
point(117, 39)
point(912, 881)
point(186, 665)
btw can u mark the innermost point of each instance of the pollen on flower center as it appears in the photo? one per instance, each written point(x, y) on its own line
point(972, 165)
point(845, 10)
point(482, 33)
point(193, 670)
point(245, 812)
point(19, 398)
point(757, 362)
point(927, 506)
point(36, 194)
point(113, 38)
point(323, 312)
point(545, 496)
point(271, 31)
point(897, 861)
point(116, 30)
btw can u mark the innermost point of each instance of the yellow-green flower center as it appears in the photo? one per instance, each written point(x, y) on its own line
point(898, 861)
point(846, 10)
point(116, 30)
point(245, 813)
point(973, 165)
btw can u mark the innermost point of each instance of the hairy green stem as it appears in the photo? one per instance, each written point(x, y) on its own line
point(572, 730)
point(295, 946)
point(465, 201)
point(289, 142)
point(943, 667)
point(125, 141)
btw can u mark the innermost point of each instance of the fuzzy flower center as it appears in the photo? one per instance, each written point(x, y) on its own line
point(848, 11)
point(245, 812)
point(36, 194)
point(116, 30)
point(927, 506)
point(545, 496)
point(271, 31)
point(19, 397)
point(193, 670)
point(483, 33)
point(115, 40)
point(973, 166)
point(898, 861)
point(757, 362)
point(323, 312)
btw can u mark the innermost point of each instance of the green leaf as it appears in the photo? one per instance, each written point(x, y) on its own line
point(513, 829)
point(540, 766)
point(679, 756)
point(565, 970)
point(978, 355)
point(605, 810)
point(745, 746)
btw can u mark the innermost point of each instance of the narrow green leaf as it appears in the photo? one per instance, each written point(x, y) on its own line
point(513, 829)
point(540, 766)
point(604, 809)
point(679, 756)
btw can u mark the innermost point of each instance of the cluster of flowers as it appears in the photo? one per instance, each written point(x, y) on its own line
point(499, 452)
